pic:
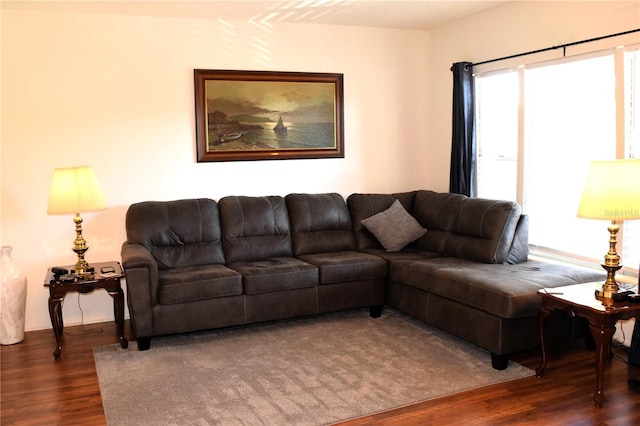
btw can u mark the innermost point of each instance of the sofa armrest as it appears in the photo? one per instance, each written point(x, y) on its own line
point(141, 273)
point(519, 251)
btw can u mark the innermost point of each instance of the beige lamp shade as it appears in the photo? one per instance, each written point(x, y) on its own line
point(612, 191)
point(75, 190)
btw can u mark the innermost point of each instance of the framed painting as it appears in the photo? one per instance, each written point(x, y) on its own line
point(264, 115)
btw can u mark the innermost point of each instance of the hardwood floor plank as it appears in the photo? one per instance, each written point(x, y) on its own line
point(38, 390)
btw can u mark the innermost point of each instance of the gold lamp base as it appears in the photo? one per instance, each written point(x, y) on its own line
point(605, 294)
point(611, 265)
point(82, 268)
point(610, 286)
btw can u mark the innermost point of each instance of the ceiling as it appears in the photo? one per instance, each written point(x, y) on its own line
point(401, 14)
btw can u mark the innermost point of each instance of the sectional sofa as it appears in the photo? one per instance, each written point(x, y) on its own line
point(454, 262)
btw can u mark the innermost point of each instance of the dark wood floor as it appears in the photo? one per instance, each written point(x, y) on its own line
point(37, 390)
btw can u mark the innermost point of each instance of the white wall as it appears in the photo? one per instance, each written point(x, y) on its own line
point(516, 27)
point(116, 92)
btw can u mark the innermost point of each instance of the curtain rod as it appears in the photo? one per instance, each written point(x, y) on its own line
point(562, 46)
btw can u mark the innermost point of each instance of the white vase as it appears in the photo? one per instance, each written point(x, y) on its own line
point(13, 300)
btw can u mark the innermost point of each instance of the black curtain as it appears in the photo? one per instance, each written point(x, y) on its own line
point(462, 179)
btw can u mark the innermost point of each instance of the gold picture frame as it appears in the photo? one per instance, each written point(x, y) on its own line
point(265, 115)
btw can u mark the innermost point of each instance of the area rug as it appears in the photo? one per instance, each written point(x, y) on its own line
point(312, 371)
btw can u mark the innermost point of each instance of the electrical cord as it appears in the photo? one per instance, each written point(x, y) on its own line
point(81, 311)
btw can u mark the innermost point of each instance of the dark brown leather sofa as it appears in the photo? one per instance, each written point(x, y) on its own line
point(200, 264)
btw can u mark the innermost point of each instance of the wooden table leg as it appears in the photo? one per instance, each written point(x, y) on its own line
point(602, 335)
point(55, 313)
point(543, 315)
point(118, 313)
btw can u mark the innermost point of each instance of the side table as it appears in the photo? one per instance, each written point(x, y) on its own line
point(107, 281)
point(579, 300)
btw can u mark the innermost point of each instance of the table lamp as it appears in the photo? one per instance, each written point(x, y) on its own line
point(611, 192)
point(76, 190)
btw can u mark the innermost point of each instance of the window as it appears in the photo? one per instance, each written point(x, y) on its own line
point(631, 231)
point(497, 124)
point(538, 128)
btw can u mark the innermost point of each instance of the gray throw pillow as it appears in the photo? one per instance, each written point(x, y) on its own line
point(394, 227)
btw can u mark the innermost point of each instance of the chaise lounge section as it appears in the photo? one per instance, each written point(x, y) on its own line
point(468, 274)
point(200, 264)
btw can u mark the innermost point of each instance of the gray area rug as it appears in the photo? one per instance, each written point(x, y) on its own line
point(311, 371)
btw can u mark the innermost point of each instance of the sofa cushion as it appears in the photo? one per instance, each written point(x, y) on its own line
point(320, 223)
point(507, 291)
point(406, 254)
point(438, 213)
point(177, 233)
point(180, 285)
point(484, 230)
point(362, 206)
point(464, 227)
point(394, 227)
point(337, 267)
point(254, 228)
point(276, 274)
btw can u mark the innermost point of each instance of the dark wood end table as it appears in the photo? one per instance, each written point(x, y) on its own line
point(579, 300)
point(107, 281)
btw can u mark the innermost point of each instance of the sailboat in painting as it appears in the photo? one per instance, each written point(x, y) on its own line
point(280, 127)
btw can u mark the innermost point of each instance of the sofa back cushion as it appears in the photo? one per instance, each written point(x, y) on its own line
point(363, 206)
point(468, 228)
point(437, 212)
point(177, 233)
point(320, 223)
point(254, 228)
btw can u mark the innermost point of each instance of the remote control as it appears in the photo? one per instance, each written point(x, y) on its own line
point(622, 296)
point(634, 298)
point(57, 270)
